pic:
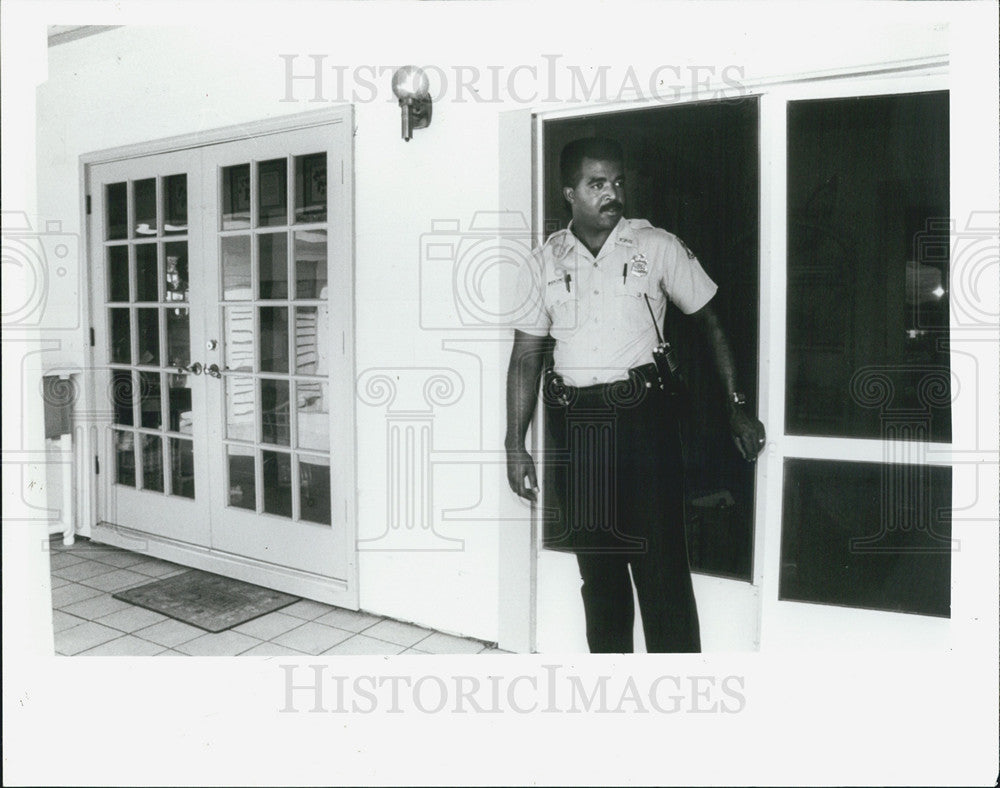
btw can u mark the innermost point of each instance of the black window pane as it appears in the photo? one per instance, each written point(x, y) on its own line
point(242, 484)
point(124, 457)
point(272, 193)
point(236, 197)
point(868, 203)
point(273, 338)
point(152, 463)
point(150, 410)
point(145, 273)
point(145, 207)
point(118, 274)
point(121, 397)
point(116, 205)
point(121, 336)
point(273, 265)
point(277, 483)
point(182, 467)
point(274, 412)
point(310, 188)
point(314, 489)
point(867, 535)
point(149, 336)
point(175, 204)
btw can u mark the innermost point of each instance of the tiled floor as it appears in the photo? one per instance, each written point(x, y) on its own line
point(88, 620)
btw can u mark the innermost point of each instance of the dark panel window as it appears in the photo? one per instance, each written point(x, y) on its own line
point(867, 535)
point(868, 206)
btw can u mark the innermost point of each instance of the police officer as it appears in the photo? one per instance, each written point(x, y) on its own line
point(595, 295)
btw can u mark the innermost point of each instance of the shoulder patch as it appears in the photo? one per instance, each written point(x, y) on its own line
point(690, 254)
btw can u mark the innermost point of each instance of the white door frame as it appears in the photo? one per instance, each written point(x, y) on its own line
point(343, 592)
point(518, 564)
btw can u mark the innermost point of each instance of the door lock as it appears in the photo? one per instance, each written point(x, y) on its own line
point(212, 344)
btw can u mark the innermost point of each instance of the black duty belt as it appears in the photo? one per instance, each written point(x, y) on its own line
point(557, 391)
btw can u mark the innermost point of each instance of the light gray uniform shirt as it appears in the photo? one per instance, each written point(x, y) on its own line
point(595, 308)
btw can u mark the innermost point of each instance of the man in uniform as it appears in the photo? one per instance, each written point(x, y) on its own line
point(596, 294)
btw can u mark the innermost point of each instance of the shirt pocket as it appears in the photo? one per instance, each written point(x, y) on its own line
point(564, 309)
point(632, 307)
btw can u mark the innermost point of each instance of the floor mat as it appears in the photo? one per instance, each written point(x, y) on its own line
point(205, 600)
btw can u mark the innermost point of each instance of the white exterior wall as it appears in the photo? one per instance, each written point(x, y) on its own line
point(135, 84)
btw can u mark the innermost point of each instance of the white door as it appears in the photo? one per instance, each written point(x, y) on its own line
point(148, 323)
point(223, 317)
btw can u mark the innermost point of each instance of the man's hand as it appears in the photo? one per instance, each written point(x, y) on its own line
point(748, 433)
point(519, 466)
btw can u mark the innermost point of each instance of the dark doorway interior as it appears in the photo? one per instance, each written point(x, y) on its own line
point(693, 169)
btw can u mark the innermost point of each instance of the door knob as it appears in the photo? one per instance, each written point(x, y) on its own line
point(213, 370)
point(194, 369)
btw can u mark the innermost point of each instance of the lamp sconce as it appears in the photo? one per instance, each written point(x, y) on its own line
point(412, 88)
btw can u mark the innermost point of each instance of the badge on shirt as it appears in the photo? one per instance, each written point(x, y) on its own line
point(638, 265)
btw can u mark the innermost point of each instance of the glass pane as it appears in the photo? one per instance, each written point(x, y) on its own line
point(121, 336)
point(121, 397)
point(236, 197)
point(238, 338)
point(867, 535)
point(313, 415)
point(118, 274)
point(310, 349)
point(273, 339)
point(144, 192)
point(240, 410)
point(175, 207)
point(272, 200)
point(310, 188)
point(146, 285)
point(242, 484)
point(150, 409)
point(274, 411)
point(273, 265)
point(236, 281)
point(149, 336)
point(176, 277)
point(277, 478)
point(116, 203)
point(182, 467)
point(314, 489)
point(124, 457)
point(152, 463)
point(178, 337)
point(868, 201)
point(179, 403)
point(310, 264)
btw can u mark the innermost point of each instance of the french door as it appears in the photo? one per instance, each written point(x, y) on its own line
point(222, 316)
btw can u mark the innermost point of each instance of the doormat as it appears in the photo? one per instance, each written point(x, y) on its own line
point(207, 601)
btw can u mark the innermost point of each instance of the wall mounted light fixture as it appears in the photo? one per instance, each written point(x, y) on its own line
point(412, 88)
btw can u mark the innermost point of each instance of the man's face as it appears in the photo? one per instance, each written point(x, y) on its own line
point(598, 198)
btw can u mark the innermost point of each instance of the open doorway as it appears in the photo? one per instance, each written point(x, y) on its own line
point(694, 170)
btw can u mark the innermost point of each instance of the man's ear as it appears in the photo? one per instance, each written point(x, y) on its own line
point(569, 194)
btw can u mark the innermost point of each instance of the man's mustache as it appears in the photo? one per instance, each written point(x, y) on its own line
point(614, 205)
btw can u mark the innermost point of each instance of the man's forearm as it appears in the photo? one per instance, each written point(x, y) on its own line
point(722, 354)
point(523, 373)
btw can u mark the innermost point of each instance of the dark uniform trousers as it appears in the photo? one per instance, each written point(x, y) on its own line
point(614, 496)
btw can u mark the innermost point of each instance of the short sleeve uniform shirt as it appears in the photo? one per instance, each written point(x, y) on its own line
point(598, 309)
